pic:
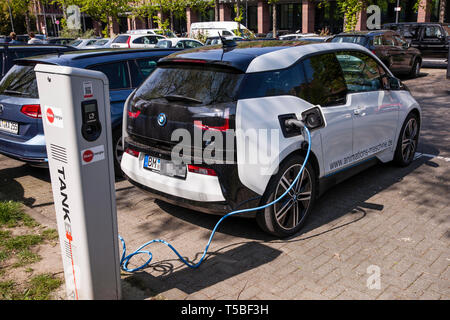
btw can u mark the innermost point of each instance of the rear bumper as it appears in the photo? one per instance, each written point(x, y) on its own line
point(32, 151)
point(198, 192)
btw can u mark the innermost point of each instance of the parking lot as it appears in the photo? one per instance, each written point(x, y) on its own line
point(387, 221)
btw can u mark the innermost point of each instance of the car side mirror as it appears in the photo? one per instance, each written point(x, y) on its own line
point(395, 83)
point(406, 45)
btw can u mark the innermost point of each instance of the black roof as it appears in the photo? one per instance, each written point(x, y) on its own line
point(78, 58)
point(238, 57)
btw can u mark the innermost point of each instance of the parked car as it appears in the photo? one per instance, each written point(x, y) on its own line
point(100, 44)
point(296, 36)
point(21, 131)
point(182, 43)
point(210, 41)
point(161, 32)
point(82, 43)
point(10, 52)
point(429, 37)
point(389, 46)
point(280, 33)
point(317, 39)
point(58, 40)
point(224, 28)
point(370, 116)
point(136, 41)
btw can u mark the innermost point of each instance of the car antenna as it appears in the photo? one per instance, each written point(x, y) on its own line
point(227, 44)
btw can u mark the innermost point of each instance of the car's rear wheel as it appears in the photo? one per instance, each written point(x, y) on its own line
point(407, 141)
point(287, 216)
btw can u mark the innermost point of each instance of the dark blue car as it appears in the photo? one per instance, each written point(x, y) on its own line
point(21, 130)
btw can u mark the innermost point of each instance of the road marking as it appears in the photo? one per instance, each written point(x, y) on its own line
point(419, 155)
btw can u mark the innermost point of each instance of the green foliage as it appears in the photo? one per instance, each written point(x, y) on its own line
point(38, 288)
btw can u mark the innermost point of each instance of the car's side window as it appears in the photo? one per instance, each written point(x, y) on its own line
point(140, 69)
point(117, 73)
point(388, 40)
point(361, 72)
point(180, 44)
point(325, 82)
point(290, 81)
point(432, 32)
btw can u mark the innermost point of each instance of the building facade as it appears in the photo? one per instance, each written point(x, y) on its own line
point(291, 15)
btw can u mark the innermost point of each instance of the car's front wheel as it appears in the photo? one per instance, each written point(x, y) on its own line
point(415, 70)
point(407, 141)
point(117, 150)
point(287, 216)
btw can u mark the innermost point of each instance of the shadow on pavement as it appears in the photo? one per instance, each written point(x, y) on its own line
point(216, 268)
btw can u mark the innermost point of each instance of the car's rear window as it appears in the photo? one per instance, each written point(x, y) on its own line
point(362, 40)
point(121, 39)
point(20, 81)
point(210, 85)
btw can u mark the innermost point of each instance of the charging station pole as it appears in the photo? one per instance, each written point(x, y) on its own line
point(77, 125)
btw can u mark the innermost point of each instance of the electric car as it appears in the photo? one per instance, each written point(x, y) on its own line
point(228, 143)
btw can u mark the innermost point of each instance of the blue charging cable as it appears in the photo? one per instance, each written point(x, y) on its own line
point(125, 259)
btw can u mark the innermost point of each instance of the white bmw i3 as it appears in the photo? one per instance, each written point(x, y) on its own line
point(208, 128)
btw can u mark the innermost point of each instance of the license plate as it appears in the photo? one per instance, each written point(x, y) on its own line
point(165, 167)
point(9, 126)
point(152, 163)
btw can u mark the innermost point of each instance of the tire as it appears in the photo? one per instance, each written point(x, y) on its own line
point(407, 141)
point(415, 70)
point(286, 217)
point(117, 151)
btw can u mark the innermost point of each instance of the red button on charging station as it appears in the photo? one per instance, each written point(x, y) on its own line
point(50, 115)
point(88, 155)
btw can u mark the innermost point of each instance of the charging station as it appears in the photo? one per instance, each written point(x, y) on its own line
point(77, 125)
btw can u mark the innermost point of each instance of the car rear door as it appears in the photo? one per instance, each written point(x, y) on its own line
point(326, 87)
point(374, 110)
point(393, 52)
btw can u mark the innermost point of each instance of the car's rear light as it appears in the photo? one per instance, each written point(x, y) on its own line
point(132, 152)
point(223, 128)
point(128, 42)
point(201, 170)
point(31, 110)
point(134, 115)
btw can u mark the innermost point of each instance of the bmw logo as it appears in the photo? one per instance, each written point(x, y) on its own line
point(162, 119)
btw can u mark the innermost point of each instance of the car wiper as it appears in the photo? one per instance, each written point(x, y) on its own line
point(174, 97)
point(17, 92)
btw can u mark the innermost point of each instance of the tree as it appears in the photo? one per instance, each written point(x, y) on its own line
point(351, 9)
point(274, 16)
point(22, 7)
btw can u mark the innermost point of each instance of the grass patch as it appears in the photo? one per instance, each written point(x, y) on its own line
point(41, 286)
point(50, 234)
point(11, 213)
point(7, 290)
point(38, 288)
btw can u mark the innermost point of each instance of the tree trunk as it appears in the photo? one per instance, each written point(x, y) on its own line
point(274, 20)
point(171, 20)
point(27, 21)
point(442, 7)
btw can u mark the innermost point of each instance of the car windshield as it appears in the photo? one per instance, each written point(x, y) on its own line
point(196, 83)
point(101, 42)
point(362, 40)
point(20, 81)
